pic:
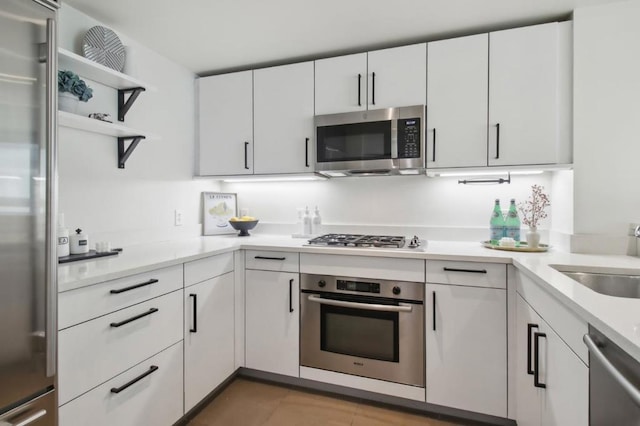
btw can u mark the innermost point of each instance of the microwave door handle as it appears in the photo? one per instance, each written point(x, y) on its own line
point(356, 305)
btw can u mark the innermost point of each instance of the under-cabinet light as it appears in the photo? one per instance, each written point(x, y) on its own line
point(491, 173)
point(274, 179)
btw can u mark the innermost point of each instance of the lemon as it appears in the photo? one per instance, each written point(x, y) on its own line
point(247, 218)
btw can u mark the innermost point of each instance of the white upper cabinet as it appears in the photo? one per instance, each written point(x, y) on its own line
point(397, 77)
point(523, 95)
point(457, 86)
point(341, 84)
point(226, 124)
point(379, 79)
point(283, 119)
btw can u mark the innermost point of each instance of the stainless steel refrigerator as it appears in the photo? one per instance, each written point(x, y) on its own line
point(28, 291)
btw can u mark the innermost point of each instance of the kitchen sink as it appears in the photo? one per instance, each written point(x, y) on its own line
point(611, 284)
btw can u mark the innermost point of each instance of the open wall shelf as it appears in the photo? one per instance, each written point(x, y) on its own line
point(129, 88)
point(123, 133)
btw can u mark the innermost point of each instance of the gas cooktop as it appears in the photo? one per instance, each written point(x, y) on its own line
point(373, 241)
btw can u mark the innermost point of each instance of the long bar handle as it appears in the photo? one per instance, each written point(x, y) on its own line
point(306, 152)
point(594, 348)
point(433, 308)
point(356, 305)
point(497, 141)
point(27, 419)
point(51, 262)
point(291, 295)
point(530, 327)
point(536, 360)
point(194, 297)
point(473, 271)
point(269, 258)
point(137, 317)
point(246, 155)
point(373, 88)
point(433, 157)
point(133, 287)
point(359, 84)
point(151, 369)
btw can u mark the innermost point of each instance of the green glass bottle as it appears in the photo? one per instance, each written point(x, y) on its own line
point(497, 223)
point(513, 222)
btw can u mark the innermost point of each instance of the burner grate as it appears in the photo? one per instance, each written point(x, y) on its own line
point(356, 240)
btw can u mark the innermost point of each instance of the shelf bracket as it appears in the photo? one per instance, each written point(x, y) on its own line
point(124, 154)
point(124, 105)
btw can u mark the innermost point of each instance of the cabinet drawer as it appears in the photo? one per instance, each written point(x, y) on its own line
point(474, 274)
point(204, 269)
point(85, 303)
point(95, 351)
point(385, 268)
point(156, 399)
point(281, 261)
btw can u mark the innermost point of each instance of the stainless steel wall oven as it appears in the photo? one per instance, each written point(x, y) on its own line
point(366, 327)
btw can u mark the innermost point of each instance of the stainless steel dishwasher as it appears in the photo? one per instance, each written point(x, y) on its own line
point(614, 383)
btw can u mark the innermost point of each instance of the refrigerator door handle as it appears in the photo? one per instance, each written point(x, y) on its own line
point(51, 279)
point(26, 419)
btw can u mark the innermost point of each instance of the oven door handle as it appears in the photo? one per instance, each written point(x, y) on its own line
point(356, 305)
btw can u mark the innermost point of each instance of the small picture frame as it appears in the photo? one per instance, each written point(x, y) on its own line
point(217, 209)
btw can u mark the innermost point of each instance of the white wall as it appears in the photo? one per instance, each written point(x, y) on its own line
point(606, 120)
point(436, 208)
point(135, 204)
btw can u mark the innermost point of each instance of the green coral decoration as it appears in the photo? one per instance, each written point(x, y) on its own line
point(68, 81)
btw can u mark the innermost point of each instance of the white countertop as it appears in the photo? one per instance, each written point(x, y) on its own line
point(618, 318)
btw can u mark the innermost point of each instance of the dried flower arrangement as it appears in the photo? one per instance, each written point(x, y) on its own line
point(68, 81)
point(532, 210)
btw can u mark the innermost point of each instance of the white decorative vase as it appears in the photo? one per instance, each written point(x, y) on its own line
point(533, 237)
point(68, 102)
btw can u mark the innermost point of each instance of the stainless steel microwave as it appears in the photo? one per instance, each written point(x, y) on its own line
point(380, 142)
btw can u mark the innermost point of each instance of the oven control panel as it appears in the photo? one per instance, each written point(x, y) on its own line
point(409, 138)
point(360, 286)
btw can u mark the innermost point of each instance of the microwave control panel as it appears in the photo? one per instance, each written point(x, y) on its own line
point(409, 138)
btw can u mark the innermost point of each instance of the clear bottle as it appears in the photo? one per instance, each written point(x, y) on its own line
point(512, 222)
point(497, 223)
point(306, 220)
point(316, 222)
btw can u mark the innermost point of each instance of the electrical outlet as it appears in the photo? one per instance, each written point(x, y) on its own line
point(177, 217)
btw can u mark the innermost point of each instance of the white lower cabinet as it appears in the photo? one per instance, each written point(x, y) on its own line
point(208, 337)
point(272, 321)
point(555, 389)
point(466, 348)
point(149, 393)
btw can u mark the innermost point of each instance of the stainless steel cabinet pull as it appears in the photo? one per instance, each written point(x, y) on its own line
point(51, 262)
point(473, 271)
point(536, 360)
point(137, 317)
point(529, 328)
point(26, 419)
point(136, 380)
point(269, 258)
point(631, 390)
point(133, 287)
point(356, 305)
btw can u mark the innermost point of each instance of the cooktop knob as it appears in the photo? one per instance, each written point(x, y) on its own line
point(396, 290)
point(322, 283)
